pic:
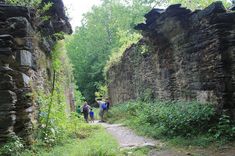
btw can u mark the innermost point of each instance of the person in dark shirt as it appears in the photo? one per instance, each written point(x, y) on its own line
point(85, 111)
point(107, 103)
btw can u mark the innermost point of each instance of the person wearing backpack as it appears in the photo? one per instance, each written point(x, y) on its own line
point(85, 111)
point(102, 108)
point(107, 103)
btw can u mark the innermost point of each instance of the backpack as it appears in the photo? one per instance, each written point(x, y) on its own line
point(104, 106)
point(85, 108)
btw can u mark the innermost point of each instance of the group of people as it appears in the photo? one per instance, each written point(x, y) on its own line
point(87, 110)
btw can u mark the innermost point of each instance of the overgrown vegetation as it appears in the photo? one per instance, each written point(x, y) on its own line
point(38, 5)
point(89, 140)
point(56, 121)
point(173, 119)
point(27, 3)
point(107, 29)
point(13, 145)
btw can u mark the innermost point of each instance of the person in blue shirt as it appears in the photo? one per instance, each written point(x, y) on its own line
point(92, 115)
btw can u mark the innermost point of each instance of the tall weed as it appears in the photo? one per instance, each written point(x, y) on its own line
point(169, 119)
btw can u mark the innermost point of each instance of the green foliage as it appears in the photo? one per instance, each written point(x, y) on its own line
point(199, 4)
point(13, 145)
point(126, 40)
point(107, 29)
point(147, 95)
point(102, 92)
point(203, 140)
point(177, 121)
point(27, 3)
point(90, 140)
point(56, 121)
point(225, 129)
point(167, 118)
point(41, 8)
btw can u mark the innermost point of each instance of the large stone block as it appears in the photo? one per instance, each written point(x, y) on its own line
point(6, 40)
point(17, 27)
point(5, 77)
point(7, 96)
point(7, 121)
point(7, 107)
point(24, 58)
point(8, 11)
point(6, 85)
point(6, 51)
point(6, 56)
point(24, 43)
point(21, 80)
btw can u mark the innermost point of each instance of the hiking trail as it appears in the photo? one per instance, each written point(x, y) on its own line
point(128, 139)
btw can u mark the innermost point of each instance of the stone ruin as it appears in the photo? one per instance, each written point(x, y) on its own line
point(183, 55)
point(25, 63)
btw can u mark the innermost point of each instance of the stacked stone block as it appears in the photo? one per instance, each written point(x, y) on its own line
point(15, 61)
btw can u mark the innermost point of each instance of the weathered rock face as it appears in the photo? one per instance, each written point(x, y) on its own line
point(24, 65)
point(183, 55)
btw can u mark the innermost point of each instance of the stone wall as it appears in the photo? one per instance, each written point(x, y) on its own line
point(183, 55)
point(25, 64)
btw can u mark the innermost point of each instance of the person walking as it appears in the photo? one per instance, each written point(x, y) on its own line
point(85, 111)
point(102, 108)
point(92, 115)
point(107, 103)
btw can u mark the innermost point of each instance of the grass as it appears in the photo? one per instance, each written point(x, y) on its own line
point(91, 140)
point(97, 143)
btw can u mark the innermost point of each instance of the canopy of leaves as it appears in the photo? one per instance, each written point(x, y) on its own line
point(101, 31)
point(198, 4)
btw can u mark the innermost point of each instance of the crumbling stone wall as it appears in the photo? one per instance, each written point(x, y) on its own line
point(25, 64)
point(183, 55)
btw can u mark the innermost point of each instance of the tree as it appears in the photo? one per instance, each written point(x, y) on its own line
point(93, 42)
point(198, 4)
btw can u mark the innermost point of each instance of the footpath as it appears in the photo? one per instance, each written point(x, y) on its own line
point(128, 139)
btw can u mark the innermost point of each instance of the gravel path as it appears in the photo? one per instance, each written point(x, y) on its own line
point(127, 138)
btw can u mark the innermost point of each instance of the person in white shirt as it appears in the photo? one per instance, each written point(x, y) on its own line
point(102, 108)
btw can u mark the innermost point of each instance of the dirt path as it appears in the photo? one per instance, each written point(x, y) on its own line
point(128, 139)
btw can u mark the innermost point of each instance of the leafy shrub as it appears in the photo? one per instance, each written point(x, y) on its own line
point(14, 145)
point(56, 122)
point(147, 95)
point(166, 118)
point(175, 119)
point(225, 129)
